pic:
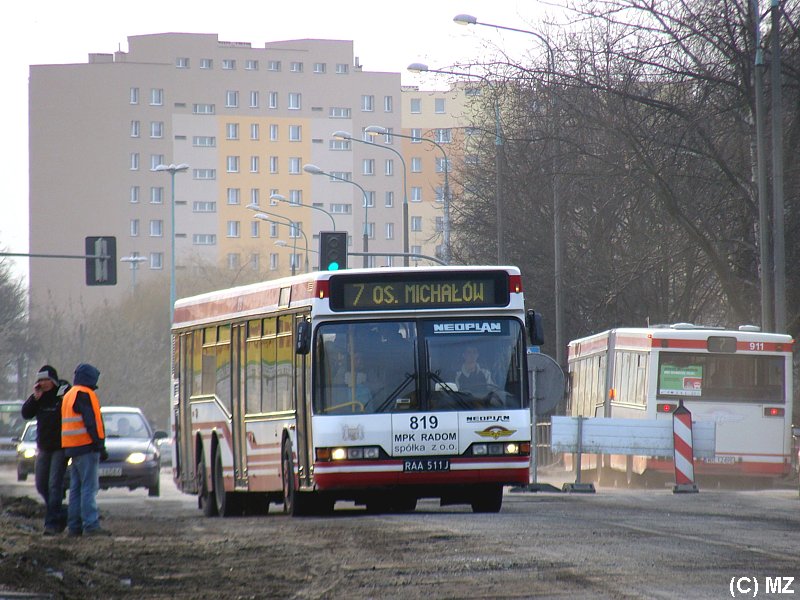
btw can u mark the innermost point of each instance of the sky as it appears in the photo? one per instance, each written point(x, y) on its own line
point(385, 38)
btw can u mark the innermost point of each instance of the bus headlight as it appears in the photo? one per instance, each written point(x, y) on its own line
point(501, 449)
point(349, 453)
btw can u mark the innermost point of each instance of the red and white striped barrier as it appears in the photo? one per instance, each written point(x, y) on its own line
point(683, 452)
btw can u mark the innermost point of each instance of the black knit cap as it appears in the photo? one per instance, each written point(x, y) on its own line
point(47, 372)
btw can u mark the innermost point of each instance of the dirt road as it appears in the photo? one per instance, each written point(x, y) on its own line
point(614, 544)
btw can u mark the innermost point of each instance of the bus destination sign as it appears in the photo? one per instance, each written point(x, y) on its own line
point(393, 292)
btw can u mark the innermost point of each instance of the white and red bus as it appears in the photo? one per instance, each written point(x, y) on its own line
point(739, 379)
point(346, 385)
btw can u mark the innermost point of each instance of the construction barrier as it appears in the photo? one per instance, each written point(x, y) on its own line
point(683, 451)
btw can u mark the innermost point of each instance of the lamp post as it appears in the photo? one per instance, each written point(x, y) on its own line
point(134, 260)
point(374, 130)
point(498, 142)
point(293, 226)
point(315, 170)
point(172, 169)
point(343, 135)
point(558, 242)
point(282, 198)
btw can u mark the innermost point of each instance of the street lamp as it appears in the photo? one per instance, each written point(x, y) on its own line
point(498, 143)
point(293, 226)
point(134, 260)
point(558, 244)
point(282, 198)
point(315, 170)
point(172, 169)
point(374, 130)
point(343, 135)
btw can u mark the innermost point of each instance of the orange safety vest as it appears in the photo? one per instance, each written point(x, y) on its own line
point(73, 429)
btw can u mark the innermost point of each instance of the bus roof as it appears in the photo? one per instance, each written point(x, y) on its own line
point(285, 292)
point(644, 338)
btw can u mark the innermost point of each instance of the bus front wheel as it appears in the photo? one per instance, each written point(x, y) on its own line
point(488, 499)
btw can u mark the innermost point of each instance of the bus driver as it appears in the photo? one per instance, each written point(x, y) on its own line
point(471, 377)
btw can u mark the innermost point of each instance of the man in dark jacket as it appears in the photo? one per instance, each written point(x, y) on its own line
point(84, 440)
point(45, 405)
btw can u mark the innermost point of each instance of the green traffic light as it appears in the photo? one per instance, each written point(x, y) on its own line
point(334, 266)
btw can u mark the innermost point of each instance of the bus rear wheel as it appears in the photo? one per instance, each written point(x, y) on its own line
point(227, 502)
point(205, 499)
point(487, 499)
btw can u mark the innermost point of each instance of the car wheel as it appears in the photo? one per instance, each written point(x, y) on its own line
point(154, 489)
point(21, 475)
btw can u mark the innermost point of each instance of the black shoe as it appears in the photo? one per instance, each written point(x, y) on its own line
point(99, 531)
point(74, 533)
point(50, 531)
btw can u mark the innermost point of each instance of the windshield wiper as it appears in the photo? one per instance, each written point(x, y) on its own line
point(459, 396)
point(409, 377)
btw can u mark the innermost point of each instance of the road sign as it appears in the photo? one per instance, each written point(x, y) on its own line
point(101, 260)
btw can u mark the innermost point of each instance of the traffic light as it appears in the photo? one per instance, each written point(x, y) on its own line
point(101, 268)
point(332, 250)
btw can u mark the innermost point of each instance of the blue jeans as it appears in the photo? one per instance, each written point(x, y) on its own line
point(49, 472)
point(83, 485)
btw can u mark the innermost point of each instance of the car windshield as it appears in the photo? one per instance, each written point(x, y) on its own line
point(30, 433)
point(419, 365)
point(125, 425)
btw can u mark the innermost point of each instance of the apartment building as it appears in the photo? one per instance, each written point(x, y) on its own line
point(245, 120)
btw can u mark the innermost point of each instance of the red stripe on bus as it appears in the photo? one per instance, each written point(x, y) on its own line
point(361, 480)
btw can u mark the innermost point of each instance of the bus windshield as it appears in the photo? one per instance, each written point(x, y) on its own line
point(721, 377)
point(419, 365)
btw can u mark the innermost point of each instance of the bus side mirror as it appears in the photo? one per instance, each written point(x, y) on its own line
point(303, 339)
point(533, 321)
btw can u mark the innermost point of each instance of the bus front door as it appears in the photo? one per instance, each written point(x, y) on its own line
point(238, 397)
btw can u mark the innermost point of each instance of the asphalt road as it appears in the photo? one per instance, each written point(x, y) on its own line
point(611, 544)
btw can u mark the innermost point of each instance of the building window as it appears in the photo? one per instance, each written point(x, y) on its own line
point(273, 164)
point(228, 64)
point(204, 141)
point(134, 96)
point(273, 133)
point(234, 195)
point(254, 164)
point(274, 65)
point(135, 129)
point(390, 231)
point(371, 231)
point(157, 129)
point(272, 100)
point(134, 195)
point(155, 160)
point(369, 199)
point(319, 67)
point(416, 194)
point(295, 133)
point(156, 228)
point(294, 100)
point(157, 260)
point(416, 250)
point(254, 99)
point(255, 196)
point(416, 164)
point(156, 195)
point(438, 106)
point(388, 199)
point(416, 223)
point(416, 106)
point(273, 230)
point(232, 131)
point(134, 227)
point(254, 229)
point(156, 97)
point(443, 136)
point(251, 65)
point(231, 99)
point(204, 174)
point(388, 104)
point(368, 166)
point(200, 206)
point(232, 164)
point(439, 223)
point(296, 197)
point(203, 109)
point(416, 134)
point(134, 161)
point(233, 229)
point(342, 68)
point(295, 165)
point(341, 209)
point(339, 112)
point(206, 63)
point(182, 62)
point(340, 176)
point(339, 145)
point(273, 261)
point(255, 131)
point(442, 165)
point(204, 239)
point(367, 103)
point(254, 261)
point(233, 260)
point(296, 67)
point(388, 167)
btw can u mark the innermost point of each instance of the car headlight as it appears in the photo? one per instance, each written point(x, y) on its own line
point(29, 452)
point(136, 458)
